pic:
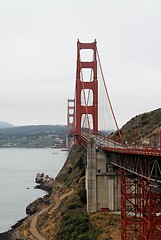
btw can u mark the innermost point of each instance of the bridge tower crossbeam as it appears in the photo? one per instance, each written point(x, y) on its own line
point(82, 85)
point(70, 122)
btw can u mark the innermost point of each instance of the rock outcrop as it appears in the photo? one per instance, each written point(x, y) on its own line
point(34, 206)
point(44, 182)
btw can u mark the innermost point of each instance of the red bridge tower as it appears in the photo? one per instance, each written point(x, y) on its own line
point(81, 85)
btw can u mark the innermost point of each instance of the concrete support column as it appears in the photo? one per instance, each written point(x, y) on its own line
point(91, 177)
point(111, 195)
point(111, 176)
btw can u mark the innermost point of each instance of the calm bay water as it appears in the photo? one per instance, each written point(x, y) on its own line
point(18, 169)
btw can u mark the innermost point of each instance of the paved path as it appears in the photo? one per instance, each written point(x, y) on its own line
point(33, 227)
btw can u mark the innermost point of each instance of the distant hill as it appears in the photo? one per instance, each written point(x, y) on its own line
point(5, 125)
point(34, 136)
point(142, 129)
point(25, 131)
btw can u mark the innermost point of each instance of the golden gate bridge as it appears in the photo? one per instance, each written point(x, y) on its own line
point(139, 168)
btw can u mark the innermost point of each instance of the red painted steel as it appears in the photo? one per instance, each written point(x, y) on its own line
point(139, 167)
point(140, 195)
point(140, 209)
point(81, 85)
point(151, 211)
point(83, 141)
point(70, 120)
point(131, 221)
point(123, 204)
point(135, 151)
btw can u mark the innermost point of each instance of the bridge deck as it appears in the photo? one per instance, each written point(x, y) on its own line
point(111, 146)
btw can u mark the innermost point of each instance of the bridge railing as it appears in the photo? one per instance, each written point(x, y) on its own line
point(139, 161)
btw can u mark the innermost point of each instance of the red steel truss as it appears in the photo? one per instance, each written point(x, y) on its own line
point(140, 206)
point(131, 222)
point(151, 211)
point(82, 84)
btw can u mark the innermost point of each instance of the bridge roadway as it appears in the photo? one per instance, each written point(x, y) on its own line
point(130, 178)
point(144, 162)
point(111, 146)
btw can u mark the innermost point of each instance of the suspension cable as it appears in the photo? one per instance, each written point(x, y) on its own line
point(84, 95)
point(88, 91)
point(85, 100)
point(108, 97)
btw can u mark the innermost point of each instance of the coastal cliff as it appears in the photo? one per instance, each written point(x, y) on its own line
point(61, 214)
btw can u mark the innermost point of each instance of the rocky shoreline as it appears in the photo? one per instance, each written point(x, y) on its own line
point(43, 182)
point(11, 234)
point(5, 235)
point(46, 183)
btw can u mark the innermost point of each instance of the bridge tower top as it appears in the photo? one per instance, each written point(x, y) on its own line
point(86, 84)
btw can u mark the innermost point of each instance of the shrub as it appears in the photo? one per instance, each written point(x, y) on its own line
point(75, 227)
point(144, 121)
point(82, 195)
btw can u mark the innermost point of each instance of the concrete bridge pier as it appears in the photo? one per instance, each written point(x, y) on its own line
point(102, 182)
point(91, 177)
point(111, 175)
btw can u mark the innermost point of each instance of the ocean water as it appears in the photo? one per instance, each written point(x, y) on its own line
point(18, 169)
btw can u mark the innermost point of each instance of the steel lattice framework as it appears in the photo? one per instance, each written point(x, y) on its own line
point(140, 195)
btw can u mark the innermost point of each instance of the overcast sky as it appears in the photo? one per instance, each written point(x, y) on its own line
point(38, 56)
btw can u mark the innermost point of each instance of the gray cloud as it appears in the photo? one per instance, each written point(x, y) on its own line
point(38, 55)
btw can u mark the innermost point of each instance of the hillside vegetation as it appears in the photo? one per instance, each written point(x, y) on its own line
point(64, 215)
point(143, 129)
